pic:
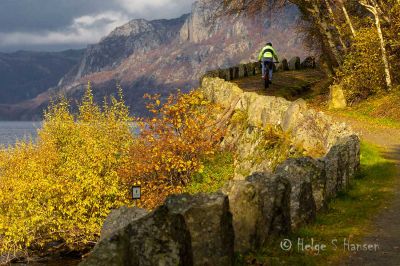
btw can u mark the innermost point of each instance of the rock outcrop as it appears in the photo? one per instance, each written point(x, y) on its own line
point(186, 230)
point(159, 238)
point(136, 37)
point(119, 219)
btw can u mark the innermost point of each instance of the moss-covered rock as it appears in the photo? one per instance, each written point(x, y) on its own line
point(337, 100)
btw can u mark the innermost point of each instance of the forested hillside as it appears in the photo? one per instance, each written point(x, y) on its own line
point(162, 55)
point(24, 74)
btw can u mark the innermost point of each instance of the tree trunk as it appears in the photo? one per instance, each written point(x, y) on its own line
point(332, 16)
point(372, 6)
point(325, 31)
point(346, 15)
point(384, 53)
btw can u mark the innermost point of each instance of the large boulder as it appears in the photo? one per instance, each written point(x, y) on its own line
point(209, 222)
point(341, 164)
point(159, 238)
point(263, 110)
point(337, 100)
point(302, 203)
point(294, 63)
point(267, 212)
point(312, 170)
point(119, 219)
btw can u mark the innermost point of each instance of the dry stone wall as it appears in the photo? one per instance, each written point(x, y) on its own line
point(206, 229)
point(254, 68)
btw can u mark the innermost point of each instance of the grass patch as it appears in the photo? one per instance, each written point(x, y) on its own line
point(380, 110)
point(362, 114)
point(349, 216)
point(217, 170)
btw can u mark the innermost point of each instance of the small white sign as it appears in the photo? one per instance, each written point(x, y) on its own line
point(136, 192)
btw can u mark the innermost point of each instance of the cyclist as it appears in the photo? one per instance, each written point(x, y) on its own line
point(266, 57)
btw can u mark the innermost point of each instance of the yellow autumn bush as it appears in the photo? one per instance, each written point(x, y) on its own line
point(362, 73)
point(63, 186)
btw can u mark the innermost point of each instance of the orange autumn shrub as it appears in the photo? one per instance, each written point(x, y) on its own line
point(171, 144)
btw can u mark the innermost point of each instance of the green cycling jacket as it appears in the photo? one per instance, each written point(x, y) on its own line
point(268, 52)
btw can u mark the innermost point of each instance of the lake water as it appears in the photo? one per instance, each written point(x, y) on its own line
point(10, 132)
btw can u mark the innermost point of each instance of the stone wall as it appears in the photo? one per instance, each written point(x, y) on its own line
point(206, 229)
point(313, 131)
point(254, 68)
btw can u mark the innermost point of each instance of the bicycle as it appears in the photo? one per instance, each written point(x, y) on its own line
point(266, 77)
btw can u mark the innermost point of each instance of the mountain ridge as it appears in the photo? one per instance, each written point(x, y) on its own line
point(161, 55)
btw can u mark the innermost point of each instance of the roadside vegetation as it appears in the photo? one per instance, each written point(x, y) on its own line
point(348, 217)
point(380, 110)
point(61, 187)
point(58, 189)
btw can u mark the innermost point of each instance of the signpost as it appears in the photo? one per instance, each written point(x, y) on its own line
point(136, 192)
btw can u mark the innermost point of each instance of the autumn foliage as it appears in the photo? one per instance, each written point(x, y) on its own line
point(172, 144)
point(362, 73)
point(64, 184)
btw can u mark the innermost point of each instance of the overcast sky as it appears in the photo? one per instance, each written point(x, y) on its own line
point(63, 24)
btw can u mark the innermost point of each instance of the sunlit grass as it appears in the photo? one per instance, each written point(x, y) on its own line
point(349, 216)
point(380, 110)
point(217, 170)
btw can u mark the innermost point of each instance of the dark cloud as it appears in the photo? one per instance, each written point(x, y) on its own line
point(37, 15)
point(61, 24)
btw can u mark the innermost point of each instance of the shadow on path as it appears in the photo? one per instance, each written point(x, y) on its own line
point(386, 225)
point(290, 85)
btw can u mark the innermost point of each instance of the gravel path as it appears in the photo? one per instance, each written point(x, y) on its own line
point(386, 225)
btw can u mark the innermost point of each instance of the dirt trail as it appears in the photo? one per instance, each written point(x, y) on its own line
point(386, 225)
point(288, 84)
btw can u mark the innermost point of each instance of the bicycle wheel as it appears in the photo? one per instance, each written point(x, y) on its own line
point(266, 78)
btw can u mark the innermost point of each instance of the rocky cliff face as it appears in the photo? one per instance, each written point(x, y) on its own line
point(162, 55)
point(136, 37)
